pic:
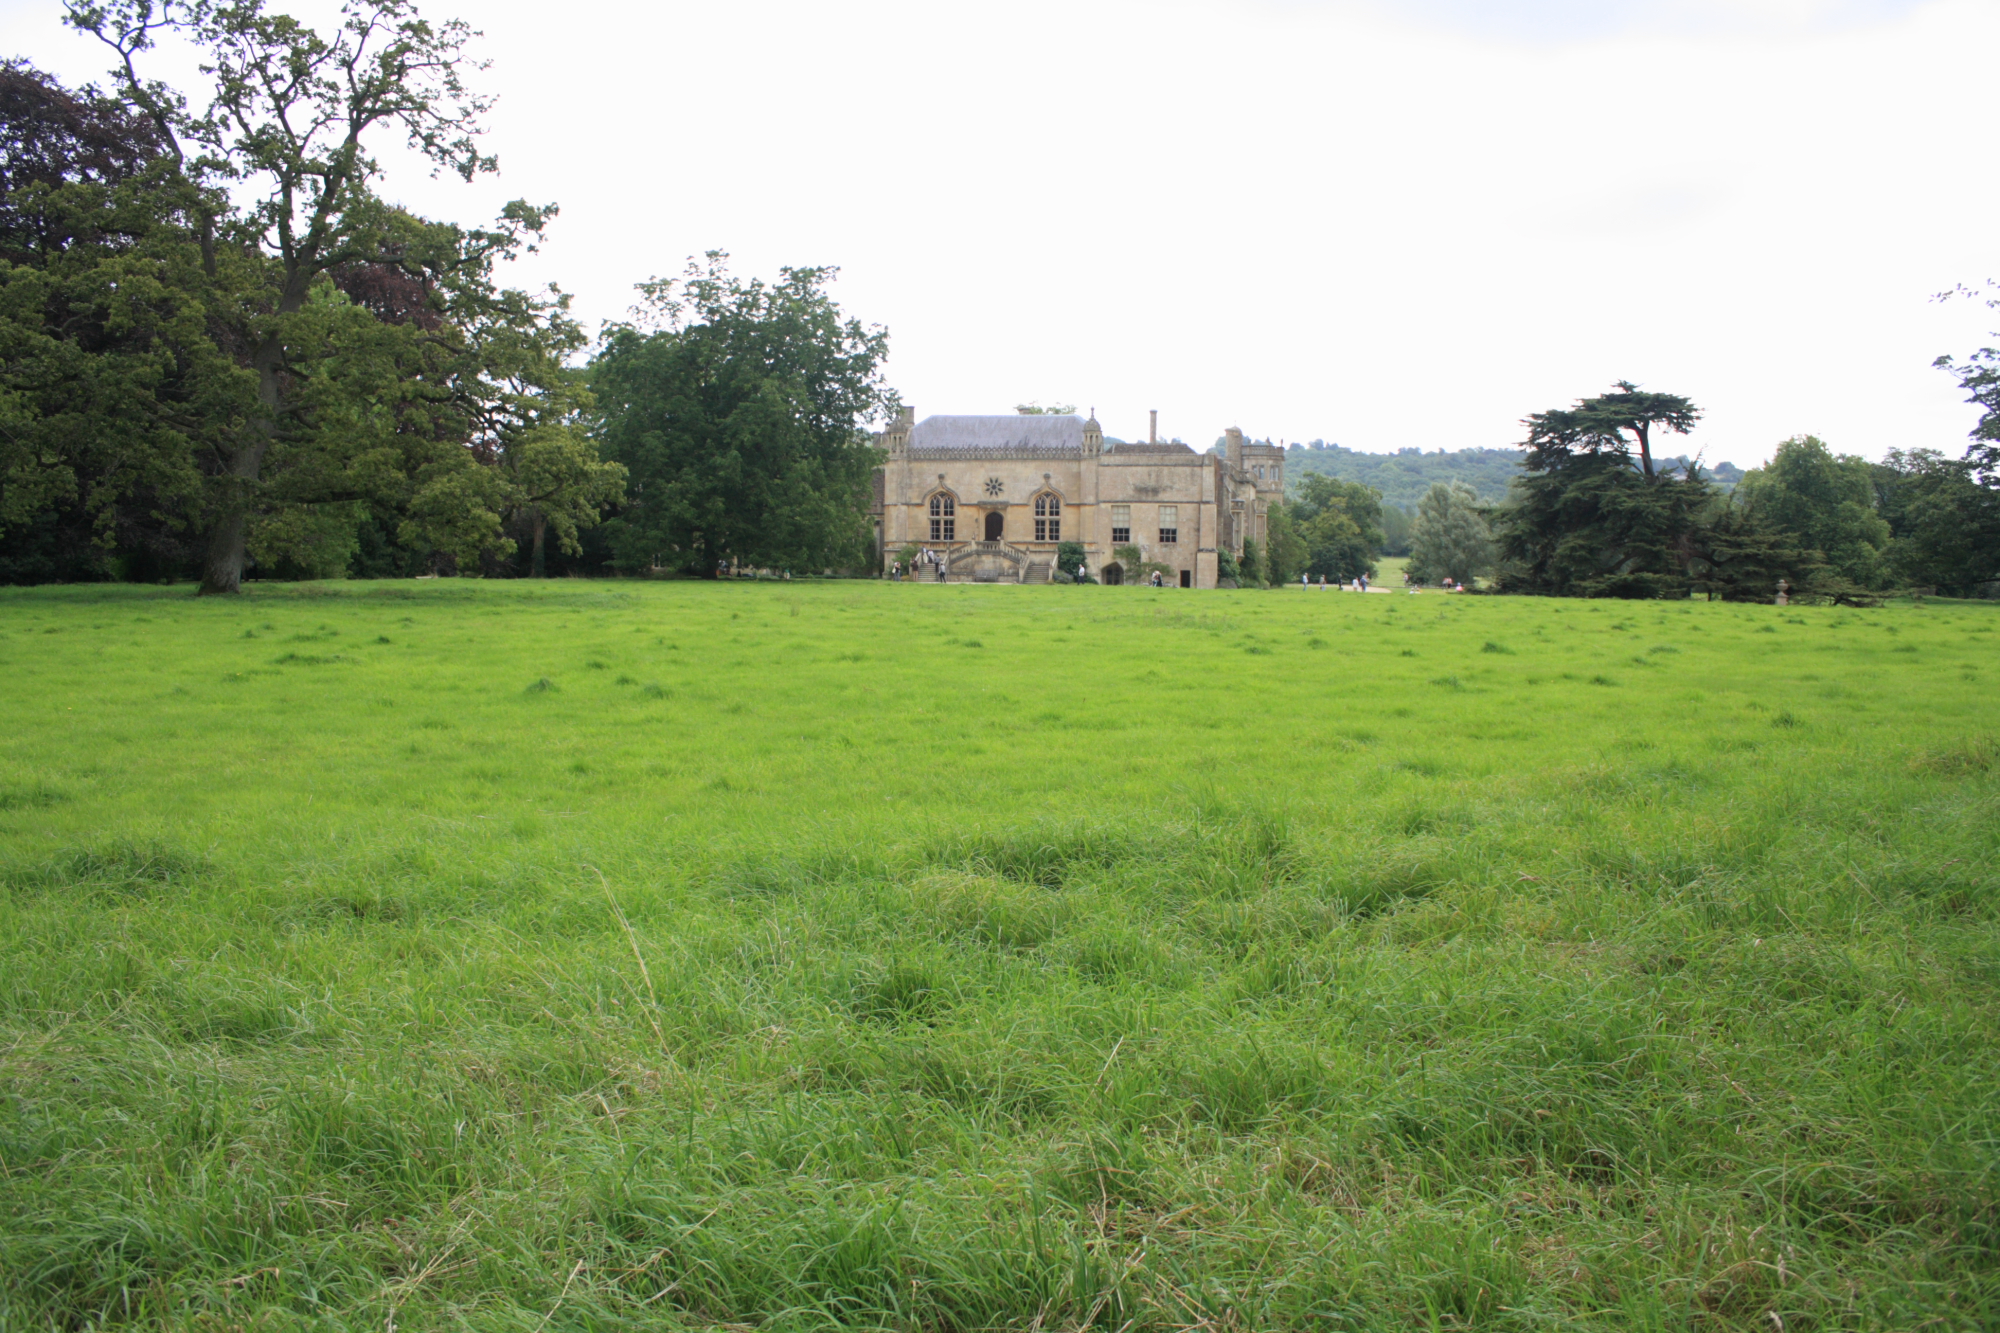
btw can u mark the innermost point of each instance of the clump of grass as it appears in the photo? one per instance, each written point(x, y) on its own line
point(1602, 680)
point(30, 794)
point(1977, 755)
point(542, 686)
point(655, 690)
point(1491, 647)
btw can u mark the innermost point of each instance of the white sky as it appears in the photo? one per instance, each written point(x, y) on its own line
point(1401, 223)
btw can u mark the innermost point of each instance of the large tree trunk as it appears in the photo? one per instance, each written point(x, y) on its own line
point(222, 568)
point(536, 565)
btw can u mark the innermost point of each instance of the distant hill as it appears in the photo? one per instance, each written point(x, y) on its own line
point(1404, 476)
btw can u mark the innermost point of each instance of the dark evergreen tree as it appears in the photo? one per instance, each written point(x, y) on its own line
point(1591, 519)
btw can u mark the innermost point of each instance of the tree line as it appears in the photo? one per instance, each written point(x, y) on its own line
point(1595, 509)
point(225, 355)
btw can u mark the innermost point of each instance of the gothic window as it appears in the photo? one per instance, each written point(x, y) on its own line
point(1121, 525)
point(1260, 472)
point(944, 518)
point(1170, 524)
point(1048, 518)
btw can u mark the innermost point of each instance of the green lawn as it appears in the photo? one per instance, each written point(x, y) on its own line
point(616, 955)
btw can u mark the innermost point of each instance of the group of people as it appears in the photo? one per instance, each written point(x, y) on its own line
point(925, 558)
point(725, 570)
point(1359, 583)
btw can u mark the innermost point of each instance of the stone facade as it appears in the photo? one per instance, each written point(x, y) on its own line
point(994, 495)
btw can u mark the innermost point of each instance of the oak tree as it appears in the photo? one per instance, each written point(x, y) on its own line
point(288, 132)
point(739, 409)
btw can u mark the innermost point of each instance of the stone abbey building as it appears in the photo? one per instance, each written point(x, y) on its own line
point(994, 495)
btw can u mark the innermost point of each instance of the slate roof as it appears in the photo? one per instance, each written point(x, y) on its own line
point(1143, 447)
point(1016, 436)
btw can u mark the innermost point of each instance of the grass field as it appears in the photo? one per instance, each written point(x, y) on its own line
point(591, 956)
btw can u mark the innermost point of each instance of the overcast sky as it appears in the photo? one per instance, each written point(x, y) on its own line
point(1392, 224)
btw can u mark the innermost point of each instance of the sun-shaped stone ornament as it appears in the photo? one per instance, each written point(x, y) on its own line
point(994, 486)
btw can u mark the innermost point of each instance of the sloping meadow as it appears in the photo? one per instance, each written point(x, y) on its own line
point(841, 955)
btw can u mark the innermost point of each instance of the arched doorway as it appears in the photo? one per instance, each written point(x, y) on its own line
point(1114, 574)
point(996, 522)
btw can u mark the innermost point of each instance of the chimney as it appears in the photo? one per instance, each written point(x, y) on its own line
point(1234, 448)
point(1153, 430)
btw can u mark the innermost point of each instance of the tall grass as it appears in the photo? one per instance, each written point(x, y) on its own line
point(1106, 975)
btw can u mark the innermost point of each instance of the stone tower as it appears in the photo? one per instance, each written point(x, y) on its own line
point(896, 439)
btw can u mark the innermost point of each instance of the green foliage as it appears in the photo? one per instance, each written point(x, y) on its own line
point(741, 422)
point(1052, 410)
point(1979, 376)
point(1225, 564)
point(1287, 554)
point(1944, 521)
point(1069, 557)
point(1585, 521)
point(1740, 558)
point(1451, 539)
point(1398, 529)
point(1946, 515)
point(1340, 524)
point(1250, 565)
point(1656, 1002)
point(277, 372)
point(1610, 425)
point(1402, 478)
point(1591, 525)
point(1825, 504)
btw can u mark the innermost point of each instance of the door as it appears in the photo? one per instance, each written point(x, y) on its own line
point(995, 522)
point(1114, 574)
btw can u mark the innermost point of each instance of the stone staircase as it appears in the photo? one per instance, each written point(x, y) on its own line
point(994, 562)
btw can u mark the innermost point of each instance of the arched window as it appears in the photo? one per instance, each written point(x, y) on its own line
point(944, 518)
point(1048, 518)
